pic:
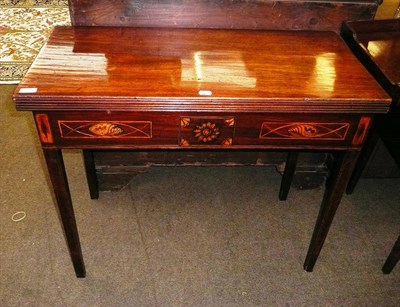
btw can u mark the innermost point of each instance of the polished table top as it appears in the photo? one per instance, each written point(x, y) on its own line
point(384, 48)
point(187, 69)
point(380, 40)
point(376, 44)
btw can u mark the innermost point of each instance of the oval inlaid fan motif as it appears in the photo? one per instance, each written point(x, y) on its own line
point(304, 130)
point(105, 129)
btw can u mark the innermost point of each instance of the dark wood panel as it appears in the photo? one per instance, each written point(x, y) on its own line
point(238, 14)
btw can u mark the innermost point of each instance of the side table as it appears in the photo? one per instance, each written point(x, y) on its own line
point(178, 89)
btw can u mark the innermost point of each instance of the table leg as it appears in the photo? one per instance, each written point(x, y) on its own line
point(288, 173)
point(393, 258)
point(335, 187)
point(58, 177)
point(91, 176)
point(363, 159)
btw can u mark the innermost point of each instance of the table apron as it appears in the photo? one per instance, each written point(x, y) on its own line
point(198, 130)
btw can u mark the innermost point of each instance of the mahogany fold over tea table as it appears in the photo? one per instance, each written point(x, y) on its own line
point(190, 89)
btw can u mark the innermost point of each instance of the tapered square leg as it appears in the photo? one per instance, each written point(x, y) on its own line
point(393, 258)
point(91, 176)
point(287, 178)
point(335, 187)
point(58, 177)
point(363, 159)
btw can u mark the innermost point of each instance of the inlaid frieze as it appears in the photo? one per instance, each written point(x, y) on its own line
point(43, 126)
point(362, 130)
point(324, 131)
point(106, 129)
point(206, 131)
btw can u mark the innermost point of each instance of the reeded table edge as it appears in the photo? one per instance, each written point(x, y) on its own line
point(199, 105)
